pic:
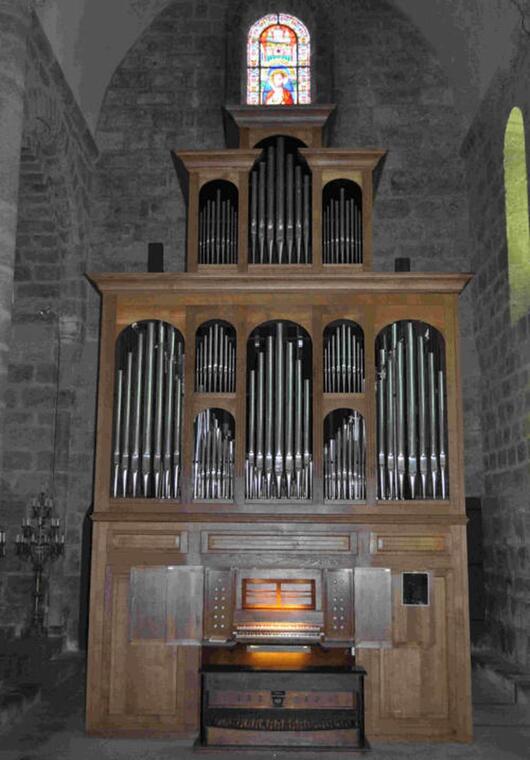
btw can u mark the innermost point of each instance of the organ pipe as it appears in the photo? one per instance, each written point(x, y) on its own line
point(279, 459)
point(345, 457)
point(215, 359)
point(343, 359)
point(148, 413)
point(218, 224)
point(342, 224)
point(411, 413)
point(280, 207)
point(213, 461)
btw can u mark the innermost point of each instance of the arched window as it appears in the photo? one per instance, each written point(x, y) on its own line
point(278, 53)
point(516, 198)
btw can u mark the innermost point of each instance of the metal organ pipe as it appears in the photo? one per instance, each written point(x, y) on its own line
point(341, 224)
point(411, 413)
point(345, 457)
point(148, 414)
point(218, 227)
point(343, 359)
point(280, 208)
point(215, 359)
point(279, 460)
point(213, 461)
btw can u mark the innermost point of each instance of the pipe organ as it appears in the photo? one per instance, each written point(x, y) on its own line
point(279, 553)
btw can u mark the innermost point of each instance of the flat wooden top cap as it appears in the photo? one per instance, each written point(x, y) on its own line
point(362, 282)
point(267, 116)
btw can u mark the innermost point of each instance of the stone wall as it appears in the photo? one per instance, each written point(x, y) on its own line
point(390, 92)
point(51, 392)
point(504, 357)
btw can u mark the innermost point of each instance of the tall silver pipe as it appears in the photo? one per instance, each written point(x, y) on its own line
point(280, 200)
point(116, 455)
point(269, 413)
point(342, 231)
point(432, 423)
point(351, 377)
point(412, 461)
point(217, 227)
point(279, 408)
point(125, 439)
point(441, 434)
point(289, 414)
point(307, 437)
point(168, 414)
point(381, 421)
point(259, 422)
point(159, 398)
point(137, 413)
point(347, 232)
point(343, 358)
point(298, 212)
point(177, 435)
point(400, 415)
point(307, 219)
point(391, 428)
point(298, 462)
point(289, 186)
point(254, 216)
point(270, 203)
point(422, 416)
point(215, 357)
point(261, 210)
point(148, 408)
point(251, 434)
point(222, 257)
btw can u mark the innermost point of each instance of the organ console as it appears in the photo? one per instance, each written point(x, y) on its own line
point(279, 551)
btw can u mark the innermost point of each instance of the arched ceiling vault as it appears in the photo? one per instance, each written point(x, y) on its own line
point(473, 40)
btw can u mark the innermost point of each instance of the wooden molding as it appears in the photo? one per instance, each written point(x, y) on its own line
point(221, 282)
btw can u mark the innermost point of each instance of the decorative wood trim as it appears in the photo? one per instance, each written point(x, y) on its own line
point(247, 116)
point(270, 542)
point(210, 160)
point(392, 543)
point(274, 518)
point(334, 158)
point(221, 282)
point(159, 541)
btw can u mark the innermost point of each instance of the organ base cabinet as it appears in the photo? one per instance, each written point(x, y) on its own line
point(279, 470)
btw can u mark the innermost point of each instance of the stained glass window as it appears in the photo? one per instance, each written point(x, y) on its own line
point(278, 67)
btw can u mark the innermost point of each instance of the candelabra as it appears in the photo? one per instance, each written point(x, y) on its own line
point(39, 543)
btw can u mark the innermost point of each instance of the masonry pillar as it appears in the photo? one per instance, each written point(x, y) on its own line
point(14, 25)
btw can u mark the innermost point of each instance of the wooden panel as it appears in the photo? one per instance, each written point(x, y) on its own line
point(166, 541)
point(435, 702)
point(118, 645)
point(270, 542)
point(381, 543)
point(151, 679)
point(218, 604)
point(339, 604)
point(401, 683)
point(373, 607)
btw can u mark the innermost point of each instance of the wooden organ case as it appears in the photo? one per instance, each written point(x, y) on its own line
point(279, 501)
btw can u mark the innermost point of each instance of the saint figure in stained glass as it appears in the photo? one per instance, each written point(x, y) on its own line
point(278, 54)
